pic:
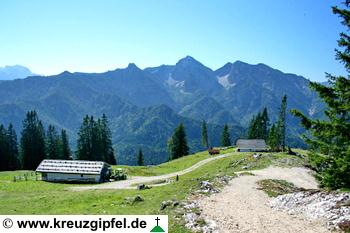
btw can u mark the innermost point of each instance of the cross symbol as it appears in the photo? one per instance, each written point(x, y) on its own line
point(157, 219)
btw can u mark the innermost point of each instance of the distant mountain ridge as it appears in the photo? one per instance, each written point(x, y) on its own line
point(144, 106)
point(242, 89)
point(14, 72)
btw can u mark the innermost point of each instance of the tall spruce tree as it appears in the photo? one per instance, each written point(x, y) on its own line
point(252, 131)
point(52, 143)
point(205, 142)
point(32, 141)
point(140, 159)
point(106, 139)
point(65, 151)
point(265, 122)
point(273, 138)
point(8, 149)
point(177, 145)
point(84, 140)
point(225, 137)
point(95, 140)
point(4, 150)
point(281, 124)
point(258, 126)
point(330, 141)
point(13, 148)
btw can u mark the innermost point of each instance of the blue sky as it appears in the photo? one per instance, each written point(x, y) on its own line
point(296, 36)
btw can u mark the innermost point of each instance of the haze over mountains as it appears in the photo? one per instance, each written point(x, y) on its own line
point(14, 72)
point(144, 106)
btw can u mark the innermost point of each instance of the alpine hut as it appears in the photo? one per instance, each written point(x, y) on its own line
point(78, 171)
point(251, 145)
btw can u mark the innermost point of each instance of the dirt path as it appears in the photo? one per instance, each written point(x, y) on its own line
point(131, 182)
point(240, 207)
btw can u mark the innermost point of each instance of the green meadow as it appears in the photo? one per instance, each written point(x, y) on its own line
point(39, 197)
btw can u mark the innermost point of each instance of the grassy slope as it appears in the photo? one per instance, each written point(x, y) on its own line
point(169, 167)
point(38, 197)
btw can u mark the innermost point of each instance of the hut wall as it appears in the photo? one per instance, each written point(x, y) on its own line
point(62, 177)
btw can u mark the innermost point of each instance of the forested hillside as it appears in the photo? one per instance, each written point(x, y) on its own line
point(144, 106)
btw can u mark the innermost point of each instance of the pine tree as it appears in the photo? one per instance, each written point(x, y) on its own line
point(330, 141)
point(4, 150)
point(95, 141)
point(178, 143)
point(13, 148)
point(65, 152)
point(258, 126)
point(281, 124)
point(204, 134)
point(273, 140)
point(140, 160)
point(265, 124)
point(225, 137)
point(8, 149)
point(84, 140)
point(252, 132)
point(106, 138)
point(52, 143)
point(32, 141)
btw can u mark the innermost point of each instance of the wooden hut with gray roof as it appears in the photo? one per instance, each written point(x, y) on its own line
point(251, 145)
point(78, 171)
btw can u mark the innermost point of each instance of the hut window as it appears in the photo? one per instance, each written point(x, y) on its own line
point(81, 175)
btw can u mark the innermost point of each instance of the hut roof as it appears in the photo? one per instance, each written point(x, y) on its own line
point(251, 144)
point(71, 166)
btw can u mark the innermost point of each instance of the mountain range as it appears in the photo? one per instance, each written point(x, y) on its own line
point(145, 105)
point(14, 72)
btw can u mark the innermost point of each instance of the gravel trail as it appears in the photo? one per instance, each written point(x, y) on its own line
point(241, 207)
point(132, 181)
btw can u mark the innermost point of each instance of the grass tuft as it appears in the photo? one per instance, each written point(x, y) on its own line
point(274, 188)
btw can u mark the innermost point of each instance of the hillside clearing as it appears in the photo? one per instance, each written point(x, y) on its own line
point(38, 197)
point(171, 166)
point(130, 183)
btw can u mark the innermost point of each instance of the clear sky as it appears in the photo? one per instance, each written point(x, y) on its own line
point(296, 36)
